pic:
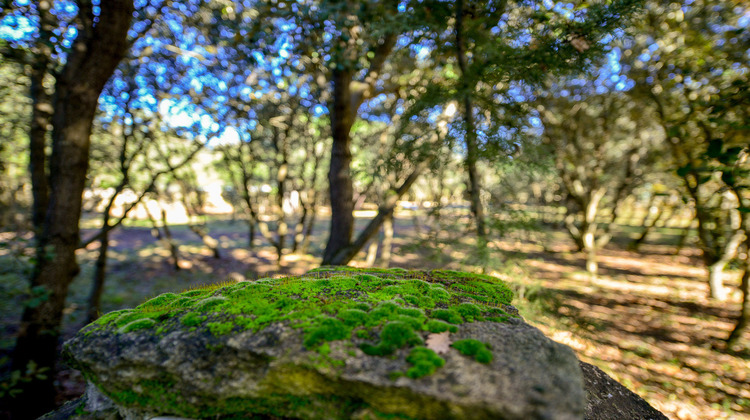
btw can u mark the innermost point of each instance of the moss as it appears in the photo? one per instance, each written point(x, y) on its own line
point(425, 362)
point(474, 348)
point(138, 324)
point(192, 319)
point(213, 303)
point(220, 328)
point(470, 312)
point(158, 302)
point(395, 335)
point(324, 349)
point(363, 300)
point(437, 326)
point(353, 316)
point(328, 329)
point(447, 315)
point(379, 310)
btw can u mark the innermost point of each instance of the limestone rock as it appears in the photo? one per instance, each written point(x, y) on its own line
point(335, 343)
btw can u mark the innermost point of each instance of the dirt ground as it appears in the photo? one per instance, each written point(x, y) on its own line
point(645, 320)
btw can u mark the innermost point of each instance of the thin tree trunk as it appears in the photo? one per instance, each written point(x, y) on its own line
point(716, 280)
point(472, 150)
point(744, 318)
point(210, 243)
point(385, 253)
point(588, 229)
point(309, 230)
point(95, 53)
point(372, 253)
point(173, 248)
point(165, 237)
point(683, 238)
point(716, 267)
point(250, 232)
point(97, 285)
point(636, 243)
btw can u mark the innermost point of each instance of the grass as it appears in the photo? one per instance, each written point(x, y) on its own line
point(646, 320)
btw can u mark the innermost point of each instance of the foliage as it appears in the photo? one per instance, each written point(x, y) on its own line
point(689, 62)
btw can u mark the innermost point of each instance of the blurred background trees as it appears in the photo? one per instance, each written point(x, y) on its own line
point(323, 124)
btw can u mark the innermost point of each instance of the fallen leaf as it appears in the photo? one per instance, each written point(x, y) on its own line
point(440, 343)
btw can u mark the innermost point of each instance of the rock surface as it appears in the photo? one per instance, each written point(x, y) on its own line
point(606, 399)
point(335, 343)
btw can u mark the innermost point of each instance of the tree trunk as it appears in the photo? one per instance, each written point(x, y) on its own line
point(97, 285)
point(683, 239)
point(592, 263)
point(250, 232)
point(716, 265)
point(210, 243)
point(41, 118)
point(339, 175)
point(282, 229)
point(385, 253)
point(716, 280)
point(309, 230)
point(472, 150)
point(372, 252)
point(744, 319)
point(172, 246)
point(636, 243)
point(384, 212)
point(95, 53)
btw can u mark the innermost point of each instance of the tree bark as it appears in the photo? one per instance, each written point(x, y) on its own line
point(744, 320)
point(95, 53)
point(470, 138)
point(345, 103)
point(97, 285)
point(647, 226)
point(41, 118)
point(339, 175)
point(384, 212)
point(385, 253)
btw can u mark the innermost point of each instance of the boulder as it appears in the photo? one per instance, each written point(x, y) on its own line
point(334, 343)
point(608, 399)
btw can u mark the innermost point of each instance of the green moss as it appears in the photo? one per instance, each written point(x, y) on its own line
point(447, 315)
point(138, 324)
point(474, 348)
point(470, 312)
point(158, 302)
point(353, 316)
point(181, 302)
point(220, 328)
point(425, 362)
point(379, 311)
point(192, 319)
point(438, 326)
point(363, 300)
point(324, 349)
point(213, 303)
point(395, 335)
point(328, 329)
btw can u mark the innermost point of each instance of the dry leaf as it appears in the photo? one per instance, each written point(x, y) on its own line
point(440, 343)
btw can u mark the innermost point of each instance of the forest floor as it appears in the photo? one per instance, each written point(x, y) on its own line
point(645, 320)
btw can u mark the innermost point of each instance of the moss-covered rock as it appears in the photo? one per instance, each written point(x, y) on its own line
point(334, 343)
